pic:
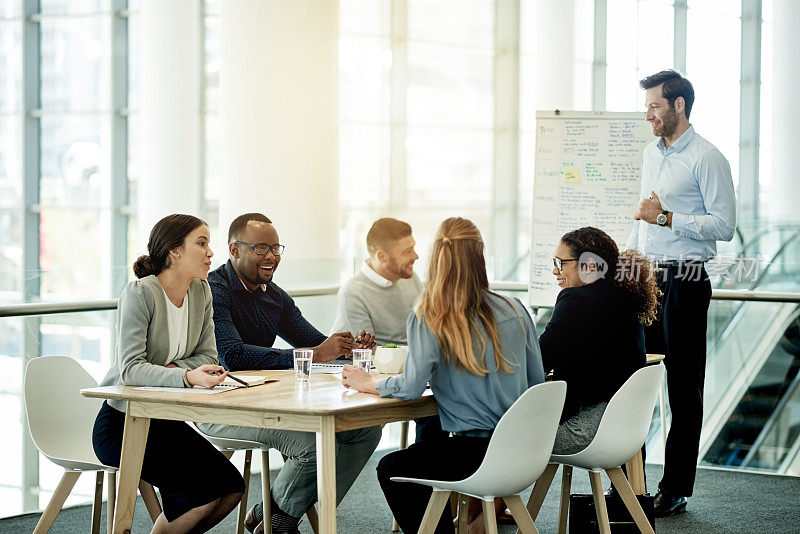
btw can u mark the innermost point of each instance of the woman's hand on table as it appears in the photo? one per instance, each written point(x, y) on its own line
point(358, 379)
point(206, 376)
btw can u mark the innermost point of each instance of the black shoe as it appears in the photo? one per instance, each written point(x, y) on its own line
point(254, 522)
point(283, 523)
point(666, 504)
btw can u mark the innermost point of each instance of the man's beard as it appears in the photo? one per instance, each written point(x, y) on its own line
point(669, 124)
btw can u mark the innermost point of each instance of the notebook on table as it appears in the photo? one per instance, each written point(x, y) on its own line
point(332, 367)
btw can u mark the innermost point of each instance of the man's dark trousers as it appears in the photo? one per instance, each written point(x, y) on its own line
point(680, 334)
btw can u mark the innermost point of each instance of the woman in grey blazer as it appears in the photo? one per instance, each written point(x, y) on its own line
point(165, 337)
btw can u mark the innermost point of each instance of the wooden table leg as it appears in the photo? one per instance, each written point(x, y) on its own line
point(134, 439)
point(326, 475)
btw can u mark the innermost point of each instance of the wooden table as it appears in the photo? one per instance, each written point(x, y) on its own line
point(322, 406)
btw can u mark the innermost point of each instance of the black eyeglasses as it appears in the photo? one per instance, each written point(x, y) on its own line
point(263, 249)
point(558, 262)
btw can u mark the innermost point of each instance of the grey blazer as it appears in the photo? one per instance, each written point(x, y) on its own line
point(143, 337)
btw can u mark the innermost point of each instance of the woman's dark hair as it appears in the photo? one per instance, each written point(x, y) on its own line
point(628, 269)
point(168, 234)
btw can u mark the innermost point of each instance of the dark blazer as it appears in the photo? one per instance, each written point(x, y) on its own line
point(594, 342)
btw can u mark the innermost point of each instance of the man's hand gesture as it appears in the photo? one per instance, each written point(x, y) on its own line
point(338, 344)
point(648, 209)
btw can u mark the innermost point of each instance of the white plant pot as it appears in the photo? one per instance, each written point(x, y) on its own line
point(390, 360)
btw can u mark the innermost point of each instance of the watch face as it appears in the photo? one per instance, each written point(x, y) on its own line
point(661, 220)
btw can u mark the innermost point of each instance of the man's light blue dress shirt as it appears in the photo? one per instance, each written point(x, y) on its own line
point(467, 401)
point(693, 180)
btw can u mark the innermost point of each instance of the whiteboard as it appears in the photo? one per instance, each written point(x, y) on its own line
point(587, 173)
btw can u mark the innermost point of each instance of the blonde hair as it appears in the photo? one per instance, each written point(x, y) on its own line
point(454, 298)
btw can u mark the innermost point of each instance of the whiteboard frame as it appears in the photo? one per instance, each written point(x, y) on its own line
point(567, 114)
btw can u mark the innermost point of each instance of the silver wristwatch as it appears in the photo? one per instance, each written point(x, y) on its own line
point(661, 220)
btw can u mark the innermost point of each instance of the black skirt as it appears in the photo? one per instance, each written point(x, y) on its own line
point(187, 469)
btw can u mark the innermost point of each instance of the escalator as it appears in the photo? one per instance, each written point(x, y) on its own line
point(762, 427)
point(751, 415)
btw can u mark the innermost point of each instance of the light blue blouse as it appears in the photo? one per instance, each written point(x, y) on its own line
point(467, 401)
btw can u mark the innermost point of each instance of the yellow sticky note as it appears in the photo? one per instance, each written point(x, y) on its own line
point(572, 175)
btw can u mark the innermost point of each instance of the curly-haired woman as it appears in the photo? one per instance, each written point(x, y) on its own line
point(595, 338)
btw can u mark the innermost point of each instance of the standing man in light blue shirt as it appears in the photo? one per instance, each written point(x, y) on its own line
point(687, 205)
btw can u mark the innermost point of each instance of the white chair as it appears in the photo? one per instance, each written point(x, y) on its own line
point(60, 421)
point(228, 446)
point(518, 453)
point(622, 431)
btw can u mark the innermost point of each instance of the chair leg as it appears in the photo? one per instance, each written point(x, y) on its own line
point(313, 519)
point(150, 499)
point(112, 499)
point(631, 503)
point(403, 445)
point(520, 514)
point(242, 508)
point(566, 485)
point(635, 467)
point(433, 511)
point(599, 502)
point(540, 489)
point(65, 486)
point(463, 513)
point(227, 453)
point(489, 519)
point(97, 504)
point(265, 491)
point(404, 434)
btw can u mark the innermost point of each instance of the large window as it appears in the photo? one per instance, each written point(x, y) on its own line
point(426, 89)
point(58, 218)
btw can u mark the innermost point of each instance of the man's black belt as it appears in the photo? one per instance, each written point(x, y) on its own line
point(474, 433)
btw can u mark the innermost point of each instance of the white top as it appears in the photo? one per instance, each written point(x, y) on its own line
point(379, 280)
point(178, 323)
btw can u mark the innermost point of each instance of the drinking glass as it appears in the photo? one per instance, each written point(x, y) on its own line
point(363, 358)
point(302, 364)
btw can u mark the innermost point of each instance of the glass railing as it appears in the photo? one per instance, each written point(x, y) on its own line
point(88, 336)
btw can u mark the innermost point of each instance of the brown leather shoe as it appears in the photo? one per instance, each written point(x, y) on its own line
point(252, 524)
point(505, 518)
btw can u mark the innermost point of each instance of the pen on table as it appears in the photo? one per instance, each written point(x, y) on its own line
point(238, 380)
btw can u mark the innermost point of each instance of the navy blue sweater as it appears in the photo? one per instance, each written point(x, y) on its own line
point(246, 323)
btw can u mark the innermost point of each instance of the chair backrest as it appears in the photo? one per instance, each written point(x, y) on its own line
point(626, 420)
point(521, 444)
point(59, 417)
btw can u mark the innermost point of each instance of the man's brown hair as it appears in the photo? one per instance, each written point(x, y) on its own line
point(384, 233)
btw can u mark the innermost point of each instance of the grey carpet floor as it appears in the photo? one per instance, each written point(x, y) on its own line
point(724, 502)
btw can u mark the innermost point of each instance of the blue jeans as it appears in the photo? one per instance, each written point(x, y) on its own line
point(295, 488)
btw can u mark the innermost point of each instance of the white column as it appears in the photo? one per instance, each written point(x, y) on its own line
point(555, 54)
point(170, 153)
point(785, 185)
point(279, 128)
